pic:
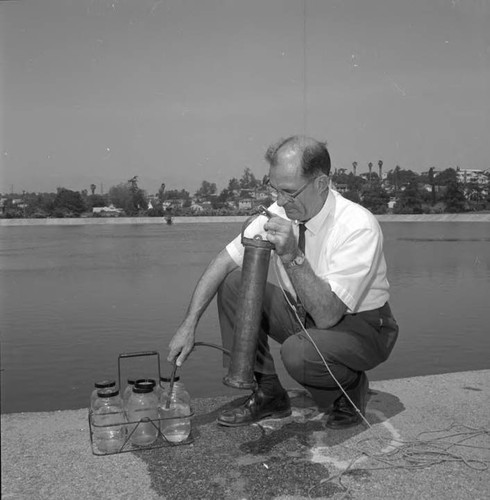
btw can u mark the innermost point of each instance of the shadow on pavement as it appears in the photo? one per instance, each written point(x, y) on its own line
point(260, 461)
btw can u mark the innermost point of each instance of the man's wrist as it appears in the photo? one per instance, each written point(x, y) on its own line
point(288, 257)
point(190, 323)
point(294, 260)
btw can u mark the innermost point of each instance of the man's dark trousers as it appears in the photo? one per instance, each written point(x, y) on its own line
point(357, 343)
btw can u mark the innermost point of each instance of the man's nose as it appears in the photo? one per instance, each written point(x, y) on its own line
point(282, 200)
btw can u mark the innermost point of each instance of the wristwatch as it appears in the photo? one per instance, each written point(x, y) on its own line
point(297, 261)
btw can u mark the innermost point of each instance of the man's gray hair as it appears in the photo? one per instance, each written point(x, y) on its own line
point(315, 159)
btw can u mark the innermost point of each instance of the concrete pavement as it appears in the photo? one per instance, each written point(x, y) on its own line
point(48, 455)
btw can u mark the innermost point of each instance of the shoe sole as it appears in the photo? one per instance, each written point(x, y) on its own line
point(363, 406)
point(341, 427)
point(281, 414)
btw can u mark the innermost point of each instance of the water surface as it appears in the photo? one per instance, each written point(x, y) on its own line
point(73, 297)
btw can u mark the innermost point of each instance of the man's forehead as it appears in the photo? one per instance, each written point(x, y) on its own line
point(287, 173)
point(288, 160)
point(289, 155)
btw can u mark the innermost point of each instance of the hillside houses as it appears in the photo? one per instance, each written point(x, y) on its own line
point(472, 176)
point(391, 189)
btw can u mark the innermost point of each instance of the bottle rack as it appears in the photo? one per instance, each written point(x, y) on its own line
point(130, 427)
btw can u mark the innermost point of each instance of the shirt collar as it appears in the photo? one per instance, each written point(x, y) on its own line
point(315, 223)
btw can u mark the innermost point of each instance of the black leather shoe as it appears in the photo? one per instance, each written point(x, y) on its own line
point(257, 407)
point(344, 415)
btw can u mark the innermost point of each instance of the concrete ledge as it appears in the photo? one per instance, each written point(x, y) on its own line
point(48, 455)
point(470, 217)
point(102, 221)
point(483, 217)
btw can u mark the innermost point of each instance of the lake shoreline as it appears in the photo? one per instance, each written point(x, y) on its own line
point(480, 217)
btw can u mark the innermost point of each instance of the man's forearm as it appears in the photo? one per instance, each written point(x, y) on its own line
point(207, 286)
point(316, 295)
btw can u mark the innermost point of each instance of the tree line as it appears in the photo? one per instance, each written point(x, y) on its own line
point(400, 191)
point(411, 193)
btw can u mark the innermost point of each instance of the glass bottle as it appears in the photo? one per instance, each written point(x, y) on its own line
point(109, 429)
point(103, 384)
point(127, 392)
point(175, 416)
point(129, 389)
point(178, 385)
point(161, 387)
point(142, 414)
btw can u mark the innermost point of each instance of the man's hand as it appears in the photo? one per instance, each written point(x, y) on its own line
point(280, 233)
point(181, 345)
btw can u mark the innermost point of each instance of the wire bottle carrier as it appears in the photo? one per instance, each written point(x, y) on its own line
point(130, 427)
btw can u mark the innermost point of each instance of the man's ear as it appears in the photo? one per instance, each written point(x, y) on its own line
point(323, 182)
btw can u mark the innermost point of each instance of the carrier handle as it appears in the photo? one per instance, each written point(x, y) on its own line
point(137, 355)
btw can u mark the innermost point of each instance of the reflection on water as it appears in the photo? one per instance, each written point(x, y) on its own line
point(74, 297)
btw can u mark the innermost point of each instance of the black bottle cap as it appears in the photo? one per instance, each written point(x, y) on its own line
point(107, 393)
point(145, 382)
point(142, 389)
point(168, 379)
point(102, 384)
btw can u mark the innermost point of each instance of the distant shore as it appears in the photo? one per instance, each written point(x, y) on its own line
point(481, 217)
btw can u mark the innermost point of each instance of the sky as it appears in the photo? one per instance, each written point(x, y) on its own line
point(181, 91)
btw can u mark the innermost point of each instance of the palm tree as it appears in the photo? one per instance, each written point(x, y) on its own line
point(370, 166)
point(380, 167)
point(354, 167)
point(161, 193)
point(396, 178)
point(92, 188)
point(134, 183)
point(432, 185)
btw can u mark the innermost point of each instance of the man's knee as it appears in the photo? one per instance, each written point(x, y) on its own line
point(304, 364)
point(293, 358)
point(230, 286)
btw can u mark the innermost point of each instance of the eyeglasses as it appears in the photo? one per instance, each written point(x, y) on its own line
point(289, 197)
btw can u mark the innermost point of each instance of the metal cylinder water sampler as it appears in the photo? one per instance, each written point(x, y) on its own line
point(255, 268)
